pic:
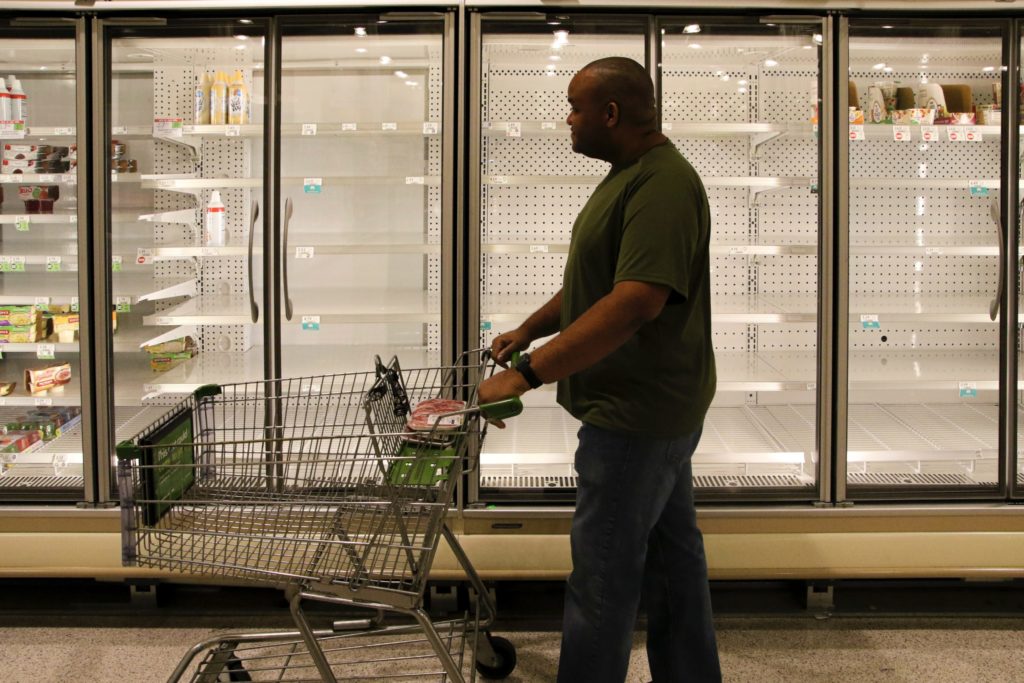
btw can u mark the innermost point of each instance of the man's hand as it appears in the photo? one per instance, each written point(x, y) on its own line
point(507, 343)
point(505, 384)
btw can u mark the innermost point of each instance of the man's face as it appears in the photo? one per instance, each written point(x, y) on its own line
point(587, 115)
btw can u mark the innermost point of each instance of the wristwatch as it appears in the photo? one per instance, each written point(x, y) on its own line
point(524, 369)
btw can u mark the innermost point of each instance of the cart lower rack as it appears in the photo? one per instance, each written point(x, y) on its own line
point(334, 488)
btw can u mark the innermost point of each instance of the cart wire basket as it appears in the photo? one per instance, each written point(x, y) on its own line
point(333, 488)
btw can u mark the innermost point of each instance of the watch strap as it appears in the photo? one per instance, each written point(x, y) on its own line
point(524, 368)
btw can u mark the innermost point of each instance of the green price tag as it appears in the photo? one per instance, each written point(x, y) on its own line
point(485, 326)
point(115, 264)
point(312, 185)
point(16, 264)
point(21, 223)
point(74, 304)
point(53, 264)
point(311, 322)
point(124, 304)
point(978, 190)
point(968, 390)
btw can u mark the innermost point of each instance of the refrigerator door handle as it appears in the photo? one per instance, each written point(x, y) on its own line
point(254, 310)
point(284, 258)
point(993, 306)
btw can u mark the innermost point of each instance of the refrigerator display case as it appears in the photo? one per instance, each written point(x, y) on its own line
point(184, 188)
point(365, 166)
point(739, 99)
point(41, 267)
point(527, 186)
point(925, 259)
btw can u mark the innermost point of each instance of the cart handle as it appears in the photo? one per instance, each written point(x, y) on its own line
point(501, 410)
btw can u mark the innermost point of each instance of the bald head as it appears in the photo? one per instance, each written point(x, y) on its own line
point(624, 81)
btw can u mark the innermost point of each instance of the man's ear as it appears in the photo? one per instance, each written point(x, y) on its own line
point(612, 114)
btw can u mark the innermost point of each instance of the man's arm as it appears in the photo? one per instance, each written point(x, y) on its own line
point(604, 327)
point(542, 323)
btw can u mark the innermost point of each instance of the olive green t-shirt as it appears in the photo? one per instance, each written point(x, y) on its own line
point(646, 222)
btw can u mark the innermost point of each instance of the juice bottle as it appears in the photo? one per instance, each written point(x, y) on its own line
point(202, 103)
point(238, 100)
point(219, 99)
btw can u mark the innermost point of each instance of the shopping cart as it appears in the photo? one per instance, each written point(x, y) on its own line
point(317, 485)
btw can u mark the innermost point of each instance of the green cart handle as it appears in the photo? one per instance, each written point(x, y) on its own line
point(501, 410)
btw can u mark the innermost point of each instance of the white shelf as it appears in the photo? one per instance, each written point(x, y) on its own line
point(911, 308)
point(321, 359)
point(933, 370)
point(136, 383)
point(367, 306)
point(749, 182)
point(683, 128)
point(884, 131)
point(13, 370)
point(38, 179)
point(40, 218)
point(204, 310)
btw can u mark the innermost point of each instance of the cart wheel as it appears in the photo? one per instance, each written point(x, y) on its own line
point(505, 651)
point(237, 672)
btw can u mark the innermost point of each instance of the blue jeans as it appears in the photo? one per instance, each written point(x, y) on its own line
point(635, 531)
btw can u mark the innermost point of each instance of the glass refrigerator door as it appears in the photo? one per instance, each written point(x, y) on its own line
point(924, 176)
point(186, 181)
point(363, 137)
point(740, 101)
point(41, 450)
point(531, 186)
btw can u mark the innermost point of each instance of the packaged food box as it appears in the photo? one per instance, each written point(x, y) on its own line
point(426, 416)
point(856, 116)
point(26, 192)
point(46, 378)
point(161, 362)
point(915, 116)
point(32, 156)
point(18, 315)
point(965, 118)
point(178, 345)
point(23, 334)
point(26, 149)
point(989, 115)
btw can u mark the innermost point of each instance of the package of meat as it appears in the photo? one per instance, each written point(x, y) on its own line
point(426, 413)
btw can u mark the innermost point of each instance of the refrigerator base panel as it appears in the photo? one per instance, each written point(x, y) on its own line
point(699, 482)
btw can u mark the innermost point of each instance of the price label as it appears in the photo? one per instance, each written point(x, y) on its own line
point(64, 131)
point(349, 126)
point(857, 133)
point(389, 125)
point(69, 178)
point(972, 134)
point(42, 303)
point(304, 252)
point(166, 127)
point(123, 304)
point(53, 264)
point(163, 320)
point(74, 304)
point(430, 128)
point(514, 129)
point(666, 126)
point(978, 189)
point(538, 248)
point(12, 130)
point(73, 218)
point(414, 180)
point(49, 178)
point(499, 179)
point(485, 326)
point(930, 133)
point(933, 251)
point(312, 185)
point(734, 251)
point(44, 401)
point(232, 131)
point(115, 264)
point(45, 351)
point(16, 264)
point(901, 133)
point(119, 130)
point(144, 256)
point(968, 389)
point(869, 322)
point(309, 129)
point(21, 223)
point(548, 125)
point(955, 133)
point(811, 386)
point(113, 178)
point(311, 322)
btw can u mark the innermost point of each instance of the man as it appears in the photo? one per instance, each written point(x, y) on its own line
point(634, 362)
